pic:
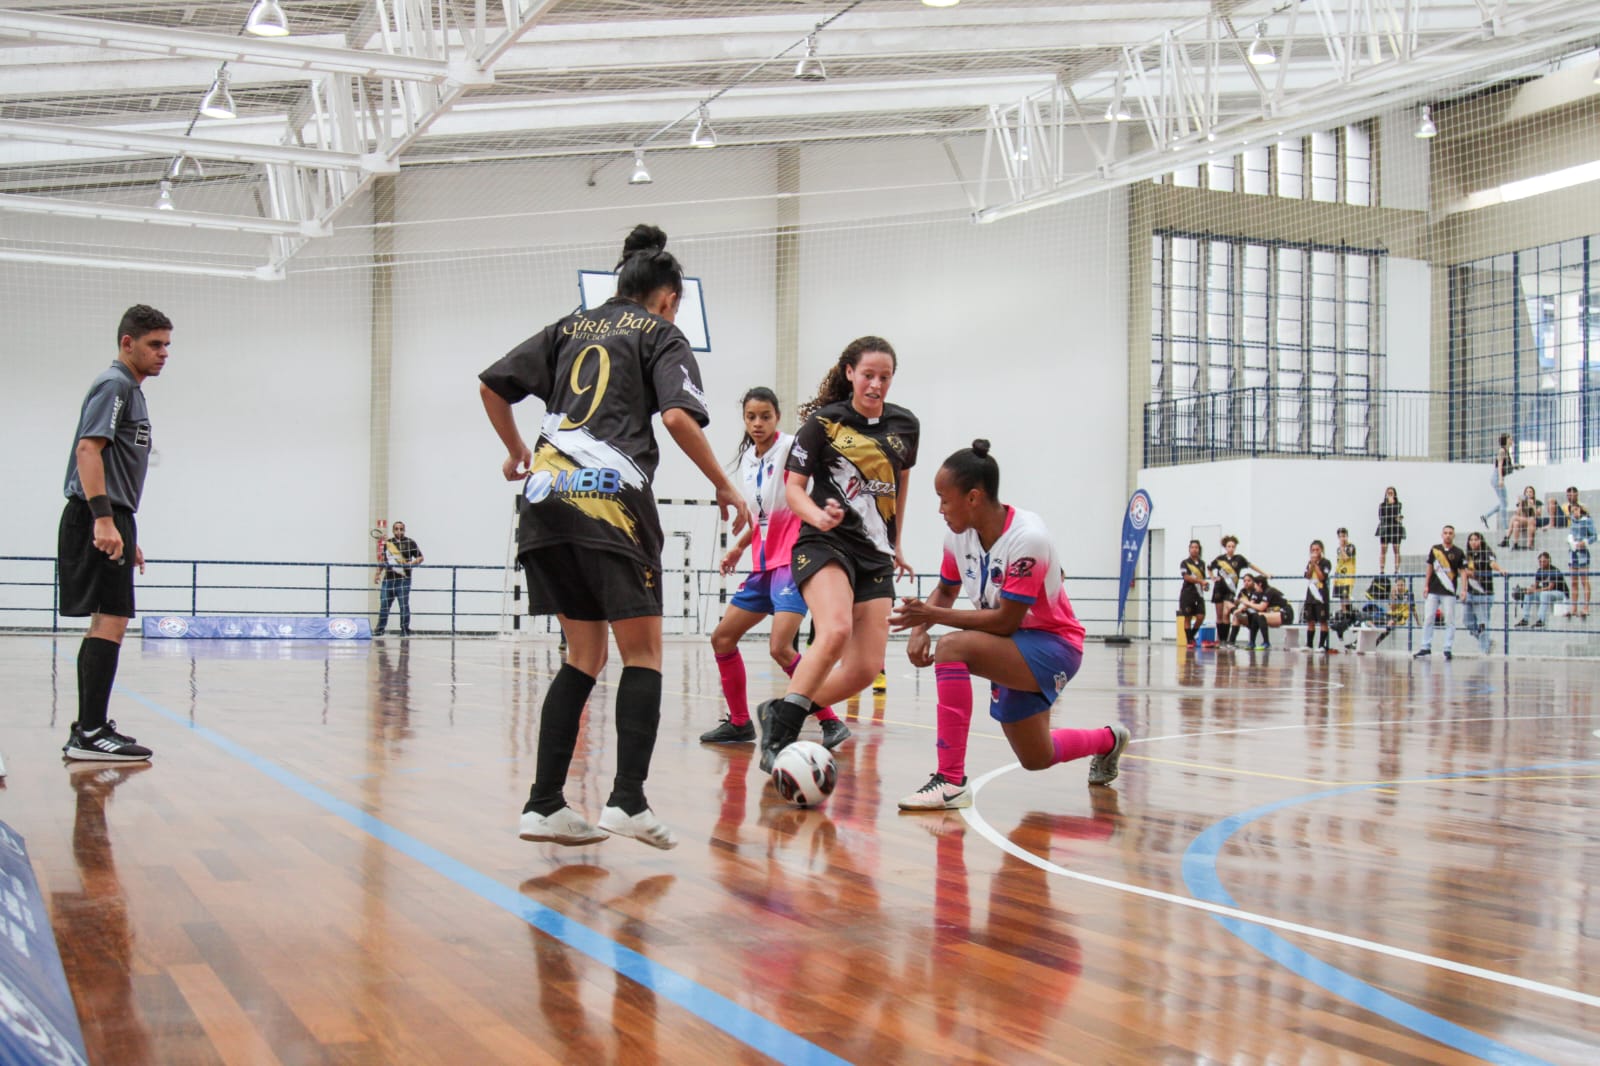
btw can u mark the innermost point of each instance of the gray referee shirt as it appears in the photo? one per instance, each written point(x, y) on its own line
point(114, 411)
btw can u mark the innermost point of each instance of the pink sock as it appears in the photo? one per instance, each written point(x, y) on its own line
point(824, 714)
point(1076, 743)
point(731, 667)
point(954, 684)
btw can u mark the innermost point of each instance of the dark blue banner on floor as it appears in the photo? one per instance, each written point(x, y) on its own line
point(254, 627)
point(38, 1023)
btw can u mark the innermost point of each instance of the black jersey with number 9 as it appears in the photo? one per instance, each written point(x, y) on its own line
point(602, 374)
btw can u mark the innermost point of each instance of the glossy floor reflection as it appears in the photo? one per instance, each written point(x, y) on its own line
point(322, 866)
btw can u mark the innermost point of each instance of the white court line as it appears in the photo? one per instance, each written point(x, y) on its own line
point(977, 821)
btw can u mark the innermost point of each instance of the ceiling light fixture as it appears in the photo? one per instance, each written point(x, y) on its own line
point(641, 175)
point(1261, 53)
point(703, 136)
point(940, 3)
point(267, 20)
point(164, 199)
point(1426, 128)
point(810, 67)
point(218, 102)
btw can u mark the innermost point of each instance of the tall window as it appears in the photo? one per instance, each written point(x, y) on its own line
point(1524, 349)
point(1262, 348)
point(1333, 166)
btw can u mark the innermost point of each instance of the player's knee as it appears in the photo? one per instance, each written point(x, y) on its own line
point(950, 648)
point(723, 642)
point(1034, 760)
point(781, 651)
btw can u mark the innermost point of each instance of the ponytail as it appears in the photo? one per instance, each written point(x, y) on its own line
point(835, 386)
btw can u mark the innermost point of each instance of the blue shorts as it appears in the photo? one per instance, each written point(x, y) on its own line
point(770, 592)
point(1052, 661)
point(1578, 558)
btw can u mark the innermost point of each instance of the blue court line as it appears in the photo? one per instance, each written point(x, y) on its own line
point(1200, 876)
point(741, 1023)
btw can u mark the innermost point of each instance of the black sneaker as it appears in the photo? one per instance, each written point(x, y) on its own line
point(1423, 654)
point(1448, 656)
point(728, 733)
point(776, 734)
point(834, 733)
point(103, 745)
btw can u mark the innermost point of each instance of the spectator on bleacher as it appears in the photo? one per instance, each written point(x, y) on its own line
point(1548, 587)
point(1344, 567)
point(1503, 466)
point(1526, 521)
point(1229, 572)
point(1391, 528)
point(1580, 531)
point(1479, 601)
point(1446, 562)
point(1559, 512)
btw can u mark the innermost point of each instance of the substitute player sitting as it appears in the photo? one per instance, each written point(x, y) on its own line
point(1023, 635)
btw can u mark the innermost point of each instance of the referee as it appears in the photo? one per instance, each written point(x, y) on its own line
point(98, 543)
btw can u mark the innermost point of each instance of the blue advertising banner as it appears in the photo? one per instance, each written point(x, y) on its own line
point(1134, 524)
point(254, 627)
point(38, 1023)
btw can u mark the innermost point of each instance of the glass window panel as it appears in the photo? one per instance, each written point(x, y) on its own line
point(1325, 166)
point(1187, 177)
point(1257, 171)
point(1289, 169)
point(1220, 175)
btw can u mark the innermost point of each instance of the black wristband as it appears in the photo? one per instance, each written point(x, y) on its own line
point(100, 506)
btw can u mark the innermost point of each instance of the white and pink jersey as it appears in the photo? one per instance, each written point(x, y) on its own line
point(773, 527)
point(1021, 565)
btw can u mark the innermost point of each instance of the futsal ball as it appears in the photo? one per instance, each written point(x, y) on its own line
point(804, 773)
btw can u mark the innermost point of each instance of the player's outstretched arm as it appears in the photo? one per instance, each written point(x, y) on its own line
point(691, 439)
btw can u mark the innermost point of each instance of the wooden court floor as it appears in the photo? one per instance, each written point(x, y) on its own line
point(1306, 859)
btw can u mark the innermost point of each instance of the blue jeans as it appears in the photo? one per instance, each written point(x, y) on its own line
point(1479, 606)
point(1545, 599)
point(1445, 605)
point(1500, 508)
point(395, 588)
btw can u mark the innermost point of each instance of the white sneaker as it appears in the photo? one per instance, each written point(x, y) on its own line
point(939, 794)
point(1103, 768)
point(644, 826)
point(566, 826)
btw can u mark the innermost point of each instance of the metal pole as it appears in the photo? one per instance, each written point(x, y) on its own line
point(453, 572)
point(55, 596)
point(194, 589)
point(327, 589)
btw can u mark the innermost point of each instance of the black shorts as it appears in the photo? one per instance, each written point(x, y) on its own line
point(1190, 602)
point(1220, 593)
point(1315, 611)
point(869, 581)
point(590, 584)
point(90, 582)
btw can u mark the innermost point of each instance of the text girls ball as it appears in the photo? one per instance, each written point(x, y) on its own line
point(804, 774)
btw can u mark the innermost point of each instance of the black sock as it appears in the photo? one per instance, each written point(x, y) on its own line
point(638, 720)
point(558, 736)
point(1227, 633)
point(1324, 637)
point(97, 672)
point(788, 716)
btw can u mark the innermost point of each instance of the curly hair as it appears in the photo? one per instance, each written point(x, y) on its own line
point(835, 386)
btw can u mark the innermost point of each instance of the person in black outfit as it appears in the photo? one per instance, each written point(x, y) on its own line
point(397, 557)
point(856, 451)
point(1391, 529)
point(1319, 573)
point(1262, 608)
point(1228, 572)
point(1478, 603)
point(1446, 564)
point(1549, 586)
point(98, 540)
point(589, 537)
point(1191, 604)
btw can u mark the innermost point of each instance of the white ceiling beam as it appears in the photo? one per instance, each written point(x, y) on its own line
point(156, 265)
point(174, 145)
point(286, 53)
point(49, 205)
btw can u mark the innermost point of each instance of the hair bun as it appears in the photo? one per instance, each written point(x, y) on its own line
point(644, 238)
point(980, 448)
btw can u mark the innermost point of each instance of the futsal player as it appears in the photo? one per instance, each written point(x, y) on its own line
point(770, 589)
point(1319, 575)
point(98, 540)
point(1022, 634)
point(1191, 604)
point(855, 449)
point(589, 538)
point(1229, 570)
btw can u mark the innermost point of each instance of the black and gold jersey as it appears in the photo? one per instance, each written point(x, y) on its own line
point(1444, 569)
point(602, 374)
point(857, 461)
point(1229, 569)
point(1317, 575)
point(1192, 568)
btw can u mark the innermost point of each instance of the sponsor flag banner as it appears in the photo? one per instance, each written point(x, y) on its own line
point(1134, 523)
